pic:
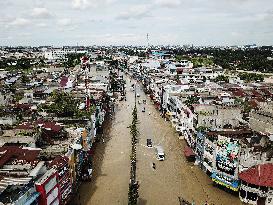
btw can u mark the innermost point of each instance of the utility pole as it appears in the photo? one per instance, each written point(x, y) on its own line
point(135, 94)
point(161, 99)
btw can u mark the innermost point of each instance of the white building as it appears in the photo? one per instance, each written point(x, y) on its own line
point(57, 54)
point(256, 185)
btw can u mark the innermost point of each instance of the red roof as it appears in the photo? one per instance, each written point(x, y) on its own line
point(85, 59)
point(59, 161)
point(53, 126)
point(256, 93)
point(23, 106)
point(12, 153)
point(64, 81)
point(266, 91)
point(239, 93)
point(260, 175)
point(49, 125)
point(253, 103)
point(188, 152)
point(25, 126)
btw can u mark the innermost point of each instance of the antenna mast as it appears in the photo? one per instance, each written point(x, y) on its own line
point(148, 40)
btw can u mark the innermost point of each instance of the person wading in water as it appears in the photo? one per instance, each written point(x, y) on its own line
point(154, 166)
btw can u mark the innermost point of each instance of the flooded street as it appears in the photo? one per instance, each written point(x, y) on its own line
point(174, 177)
point(110, 181)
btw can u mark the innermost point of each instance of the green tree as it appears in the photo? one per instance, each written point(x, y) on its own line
point(192, 99)
point(25, 79)
point(222, 78)
point(249, 77)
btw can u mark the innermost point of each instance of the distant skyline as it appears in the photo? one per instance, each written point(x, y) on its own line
point(126, 22)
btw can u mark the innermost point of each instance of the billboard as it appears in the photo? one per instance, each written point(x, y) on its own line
point(227, 155)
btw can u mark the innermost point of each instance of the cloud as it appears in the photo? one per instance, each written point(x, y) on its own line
point(20, 22)
point(41, 13)
point(179, 20)
point(136, 12)
point(64, 22)
point(84, 4)
point(41, 25)
point(80, 4)
point(236, 34)
point(168, 3)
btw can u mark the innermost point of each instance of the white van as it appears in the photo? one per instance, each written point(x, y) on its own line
point(160, 155)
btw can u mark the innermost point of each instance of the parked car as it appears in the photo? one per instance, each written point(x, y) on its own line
point(160, 155)
point(138, 95)
point(149, 143)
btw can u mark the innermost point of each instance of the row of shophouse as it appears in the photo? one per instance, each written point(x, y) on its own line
point(227, 126)
point(44, 157)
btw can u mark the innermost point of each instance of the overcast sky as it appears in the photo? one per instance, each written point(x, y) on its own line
point(126, 22)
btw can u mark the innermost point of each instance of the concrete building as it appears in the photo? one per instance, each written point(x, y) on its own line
point(58, 53)
point(257, 185)
point(262, 119)
point(217, 116)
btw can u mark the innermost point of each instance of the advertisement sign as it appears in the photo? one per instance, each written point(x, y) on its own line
point(227, 153)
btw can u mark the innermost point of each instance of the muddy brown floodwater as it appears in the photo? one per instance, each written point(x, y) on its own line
point(174, 177)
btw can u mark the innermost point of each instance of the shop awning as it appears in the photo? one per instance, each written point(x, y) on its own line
point(226, 181)
point(188, 152)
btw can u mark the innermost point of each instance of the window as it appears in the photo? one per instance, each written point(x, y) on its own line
point(253, 186)
point(264, 188)
point(50, 184)
point(208, 162)
point(242, 193)
point(252, 196)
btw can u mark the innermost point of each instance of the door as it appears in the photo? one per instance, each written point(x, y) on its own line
point(261, 200)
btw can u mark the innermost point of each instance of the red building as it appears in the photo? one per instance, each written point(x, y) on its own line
point(60, 163)
point(48, 188)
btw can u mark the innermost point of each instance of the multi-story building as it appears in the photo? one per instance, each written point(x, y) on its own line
point(58, 53)
point(218, 154)
point(257, 185)
point(218, 116)
point(262, 119)
point(49, 188)
point(61, 165)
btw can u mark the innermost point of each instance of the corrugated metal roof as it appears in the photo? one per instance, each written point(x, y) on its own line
point(7, 181)
point(260, 175)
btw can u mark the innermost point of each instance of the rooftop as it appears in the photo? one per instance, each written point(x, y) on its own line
point(15, 154)
point(260, 175)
